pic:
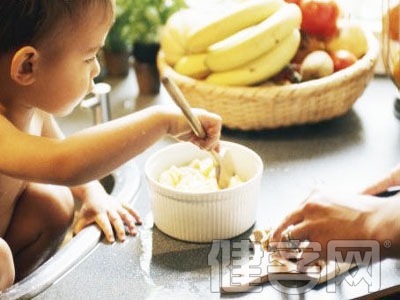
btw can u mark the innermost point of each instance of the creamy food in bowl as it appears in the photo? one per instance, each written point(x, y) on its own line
point(204, 213)
point(198, 175)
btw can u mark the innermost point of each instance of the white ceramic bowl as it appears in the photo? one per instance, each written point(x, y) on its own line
point(204, 216)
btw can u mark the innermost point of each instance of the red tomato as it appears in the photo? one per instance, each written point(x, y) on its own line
point(342, 59)
point(294, 1)
point(319, 17)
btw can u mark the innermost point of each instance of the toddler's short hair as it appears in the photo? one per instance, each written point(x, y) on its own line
point(26, 22)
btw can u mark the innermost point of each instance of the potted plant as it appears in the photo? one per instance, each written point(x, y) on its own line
point(146, 19)
point(117, 47)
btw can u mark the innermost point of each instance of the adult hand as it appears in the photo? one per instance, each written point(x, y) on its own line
point(390, 180)
point(324, 216)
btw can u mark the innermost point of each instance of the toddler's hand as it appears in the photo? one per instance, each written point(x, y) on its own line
point(212, 124)
point(109, 214)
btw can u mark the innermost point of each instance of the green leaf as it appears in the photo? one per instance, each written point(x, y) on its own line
point(140, 20)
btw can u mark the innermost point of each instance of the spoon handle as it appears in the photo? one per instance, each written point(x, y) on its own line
point(181, 102)
point(222, 175)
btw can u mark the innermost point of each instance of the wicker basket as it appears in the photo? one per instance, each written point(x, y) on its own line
point(268, 107)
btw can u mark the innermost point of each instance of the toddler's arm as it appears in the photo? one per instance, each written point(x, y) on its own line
point(97, 206)
point(144, 128)
point(94, 152)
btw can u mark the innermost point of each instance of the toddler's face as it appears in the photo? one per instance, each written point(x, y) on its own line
point(68, 63)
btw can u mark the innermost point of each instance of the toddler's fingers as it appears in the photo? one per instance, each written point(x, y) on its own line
point(133, 213)
point(184, 136)
point(80, 224)
point(104, 224)
point(118, 225)
point(128, 220)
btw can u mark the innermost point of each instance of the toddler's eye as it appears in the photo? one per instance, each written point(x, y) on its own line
point(89, 60)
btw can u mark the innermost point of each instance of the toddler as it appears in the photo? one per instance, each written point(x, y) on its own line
point(47, 64)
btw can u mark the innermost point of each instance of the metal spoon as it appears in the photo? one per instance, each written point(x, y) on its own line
point(223, 164)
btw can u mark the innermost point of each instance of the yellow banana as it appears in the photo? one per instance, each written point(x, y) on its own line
point(249, 43)
point(173, 35)
point(173, 51)
point(223, 25)
point(192, 65)
point(263, 67)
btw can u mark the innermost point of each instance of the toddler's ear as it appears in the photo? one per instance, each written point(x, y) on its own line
point(23, 65)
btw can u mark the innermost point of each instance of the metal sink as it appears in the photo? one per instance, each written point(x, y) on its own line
point(123, 184)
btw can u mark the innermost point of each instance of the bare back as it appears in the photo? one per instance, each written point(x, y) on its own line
point(11, 188)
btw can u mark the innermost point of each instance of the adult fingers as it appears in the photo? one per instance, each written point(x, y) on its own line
point(296, 216)
point(379, 186)
point(292, 219)
point(298, 232)
point(386, 182)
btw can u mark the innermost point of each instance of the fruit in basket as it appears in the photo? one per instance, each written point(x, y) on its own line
point(193, 65)
point(263, 67)
point(225, 24)
point(319, 17)
point(342, 59)
point(250, 43)
point(173, 37)
point(235, 50)
point(350, 37)
point(308, 44)
point(316, 65)
point(227, 46)
point(277, 102)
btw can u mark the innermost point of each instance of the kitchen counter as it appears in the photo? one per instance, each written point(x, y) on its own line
point(344, 154)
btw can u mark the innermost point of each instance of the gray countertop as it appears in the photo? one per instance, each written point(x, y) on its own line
point(344, 154)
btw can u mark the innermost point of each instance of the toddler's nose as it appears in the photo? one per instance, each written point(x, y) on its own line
point(96, 68)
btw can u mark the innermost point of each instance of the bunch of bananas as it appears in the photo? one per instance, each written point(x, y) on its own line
point(248, 43)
